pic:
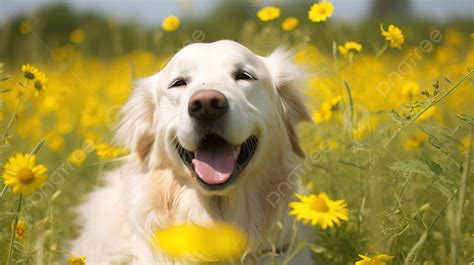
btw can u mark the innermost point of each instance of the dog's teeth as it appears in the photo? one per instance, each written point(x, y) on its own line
point(237, 151)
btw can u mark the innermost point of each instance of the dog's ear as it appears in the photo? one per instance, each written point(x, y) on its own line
point(136, 127)
point(289, 81)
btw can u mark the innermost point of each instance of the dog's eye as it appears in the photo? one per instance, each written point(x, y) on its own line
point(243, 75)
point(177, 83)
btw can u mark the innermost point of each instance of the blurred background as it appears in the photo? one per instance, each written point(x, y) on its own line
point(113, 28)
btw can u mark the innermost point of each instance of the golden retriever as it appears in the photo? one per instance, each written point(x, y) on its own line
point(212, 136)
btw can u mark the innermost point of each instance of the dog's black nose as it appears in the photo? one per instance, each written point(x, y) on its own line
point(207, 105)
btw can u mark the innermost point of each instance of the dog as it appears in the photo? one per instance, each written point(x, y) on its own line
point(211, 137)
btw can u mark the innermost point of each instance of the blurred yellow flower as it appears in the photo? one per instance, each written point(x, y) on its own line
point(170, 23)
point(428, 113)
point(55, 141)
point(410, 89)
point(376, 260)
point(25, 26)
point(319, 210)
point(23, 175)
point(290, 23)
point(359, 131)
point(20, 229)
point(108, 151)
point(73, 260)
point(93, 114)
point(394, 35)
point(320, 11)
point(29, 71)
point(350, 47)
point(77, 157)
point(415, 141)
point(268, 13)
point(327, 108)
point(77, 36)
point(471, 35)
point(40, 83)
point(202, 244)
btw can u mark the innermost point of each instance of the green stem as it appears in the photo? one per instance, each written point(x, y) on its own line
point(12, 237)
point(12, 118)
point(404, 125)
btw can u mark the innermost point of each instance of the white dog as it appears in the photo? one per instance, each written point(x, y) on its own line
point(212, 136)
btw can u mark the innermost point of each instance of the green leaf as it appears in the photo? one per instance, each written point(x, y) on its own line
point(467, 119)
point(411, 166)
point(435, 168)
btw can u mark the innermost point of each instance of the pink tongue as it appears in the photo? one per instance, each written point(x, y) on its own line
point(214, 163)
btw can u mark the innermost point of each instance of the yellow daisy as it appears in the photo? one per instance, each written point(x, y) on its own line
point(73, 260)
point(320, 11)
point(23, 175)
point(319, 210)
point(376, 260)
point(108, 151)
point(350, 47)
point(394, 35)
point(290, 23)
point(268, 13)
point(170, 23)
point(29, 71)
point(192, 242)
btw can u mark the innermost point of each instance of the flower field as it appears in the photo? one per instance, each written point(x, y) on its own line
point(388, 168)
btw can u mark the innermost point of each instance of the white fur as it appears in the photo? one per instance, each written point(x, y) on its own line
point(153, 188)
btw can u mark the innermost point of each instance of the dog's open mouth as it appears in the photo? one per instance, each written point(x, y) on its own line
point(217, 163)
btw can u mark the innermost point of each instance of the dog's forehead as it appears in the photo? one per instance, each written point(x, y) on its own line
point(215, 52)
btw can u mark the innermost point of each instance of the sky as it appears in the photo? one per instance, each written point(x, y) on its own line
point(153, 11)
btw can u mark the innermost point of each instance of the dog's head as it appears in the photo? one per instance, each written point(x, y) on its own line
point(215, 114)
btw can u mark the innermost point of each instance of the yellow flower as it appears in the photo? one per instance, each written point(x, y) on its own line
point(350, 47)
point(327, 108)
point(23, 175)
point(108, 151)
point(394, 35)
point(170, 23)
point(55, 142)
point(40, 83)
point(268, 13)
point(320, 11)
point(192, 242)
point(415, 142)
point(319, 210)
point(376, 260)
point(359, 131)
point(77, 36)
point(290, 23)
point(25, 26)
point(92, 114)
point(410, 89)
point(428, 113)
point(77, 157)
point(20, 229)
point(73, 260)
point(29, 71)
